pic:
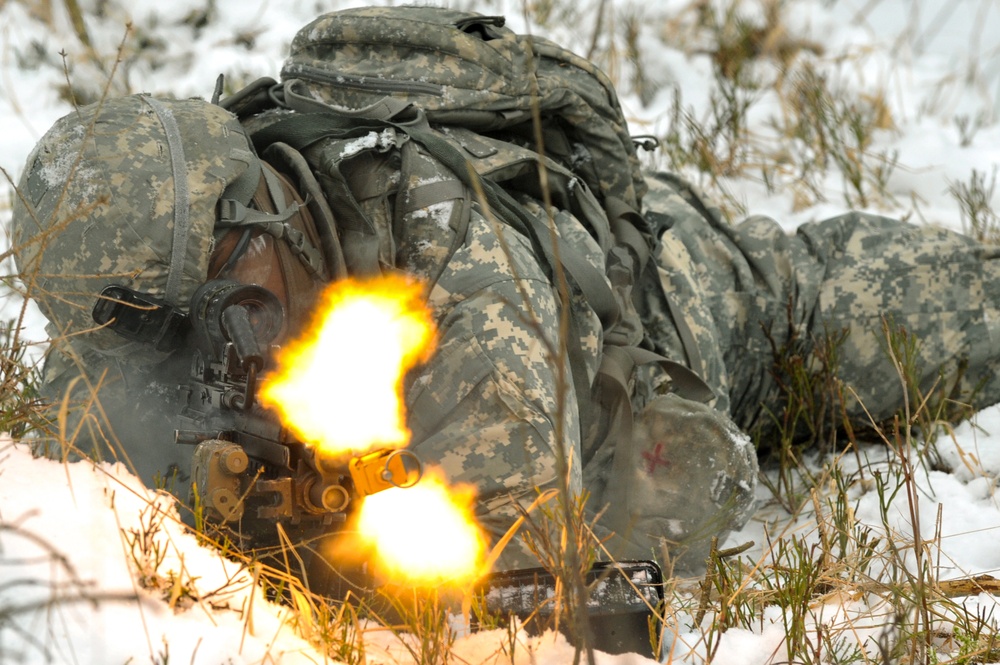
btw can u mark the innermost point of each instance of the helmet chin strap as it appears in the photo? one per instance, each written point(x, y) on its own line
point(182, 199)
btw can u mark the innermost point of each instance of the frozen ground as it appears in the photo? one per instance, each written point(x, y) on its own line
point(63, 530)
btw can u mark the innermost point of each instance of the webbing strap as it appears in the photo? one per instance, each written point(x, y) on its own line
point(625, 223)
point(301, 130)
point(617, 363)
point(242, 189)
point(688, 341)
point(423, 196)
point(292, 162)
point(182, 200)
point(383, 109)
point(276, 191)
point(587, 278)
point(234, 214)
point(299, 245)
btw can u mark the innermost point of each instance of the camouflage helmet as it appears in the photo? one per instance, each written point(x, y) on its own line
point(124, 192)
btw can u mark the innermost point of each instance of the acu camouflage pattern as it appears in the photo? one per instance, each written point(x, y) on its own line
point(722, 297)
point(488, 405)
point(95, 206)
point(464, 69)
point(485, 407)
point(739, 285)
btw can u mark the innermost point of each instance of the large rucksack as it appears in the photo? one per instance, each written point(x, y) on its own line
point(434, 105)
point(468, 70)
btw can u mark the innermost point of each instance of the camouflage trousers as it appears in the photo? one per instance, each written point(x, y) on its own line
point(749, 290)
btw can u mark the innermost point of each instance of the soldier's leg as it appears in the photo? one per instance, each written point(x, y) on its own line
point(754, 287)
point(724, 296)
point(728, 298)
point(941, 287)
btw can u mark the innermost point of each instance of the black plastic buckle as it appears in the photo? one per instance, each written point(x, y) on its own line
point(140, 317)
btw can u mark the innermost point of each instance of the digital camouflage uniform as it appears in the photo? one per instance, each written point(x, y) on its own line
point(668, 470)
point(747, 286)
point(741, 291)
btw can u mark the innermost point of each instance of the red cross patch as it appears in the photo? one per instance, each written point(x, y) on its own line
point(654, 458)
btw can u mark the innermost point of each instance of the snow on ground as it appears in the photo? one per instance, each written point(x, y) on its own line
point(64, 528)
point(71, 533)
point(68, 589)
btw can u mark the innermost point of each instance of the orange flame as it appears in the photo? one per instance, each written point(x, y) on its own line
point(425, 534)
point(339, 386)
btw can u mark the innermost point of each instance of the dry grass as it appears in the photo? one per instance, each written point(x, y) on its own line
point(888, 604)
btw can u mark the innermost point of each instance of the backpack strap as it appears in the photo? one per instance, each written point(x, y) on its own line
point(630, 229)
point(252, 99)
point(234, 214)
point(243, 188)
point(303, 129)
point(591, 283)
point(611, 389)
point(289, 161)
point(385, 108)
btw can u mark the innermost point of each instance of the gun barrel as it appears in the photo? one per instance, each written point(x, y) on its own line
point(331, 498)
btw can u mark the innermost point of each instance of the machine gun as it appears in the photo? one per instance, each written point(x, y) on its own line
point(246, 463)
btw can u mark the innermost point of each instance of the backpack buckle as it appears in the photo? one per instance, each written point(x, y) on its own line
point(296, 239)
point(231, 212)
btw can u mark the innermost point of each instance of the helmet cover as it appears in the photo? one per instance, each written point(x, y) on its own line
point(123, 192)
